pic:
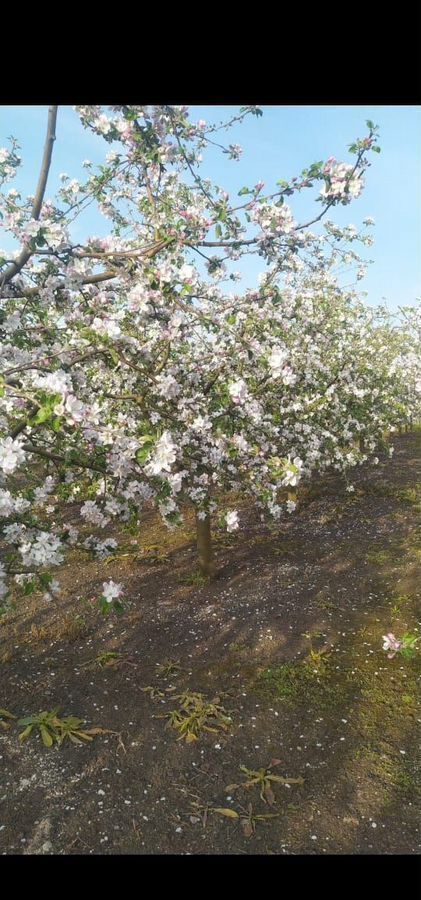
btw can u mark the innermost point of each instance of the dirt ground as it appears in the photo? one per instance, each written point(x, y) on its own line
point(288, 638)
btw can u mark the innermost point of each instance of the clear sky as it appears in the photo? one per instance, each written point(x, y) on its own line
point(280, 144)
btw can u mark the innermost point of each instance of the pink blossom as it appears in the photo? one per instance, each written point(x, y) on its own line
point(391, 643)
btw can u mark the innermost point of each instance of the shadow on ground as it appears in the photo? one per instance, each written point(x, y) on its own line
point(289, 638)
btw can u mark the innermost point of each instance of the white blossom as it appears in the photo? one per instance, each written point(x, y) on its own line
point(231, 519)
point(11, 454)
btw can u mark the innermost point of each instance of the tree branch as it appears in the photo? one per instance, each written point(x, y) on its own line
point(25, 254)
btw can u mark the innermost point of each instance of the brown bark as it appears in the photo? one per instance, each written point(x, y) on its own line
point(204, 546)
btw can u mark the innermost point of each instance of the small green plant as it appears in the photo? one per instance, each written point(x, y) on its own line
point(158, 693)
point(54, 730)
point(103, 660)
point(196, 714)
point(70, 727)
point(5, 714)
point(408, 642)
point(317, 657)
point(168, 667)
point(263, 778)
point(249, 820)
point(154, 692)
point(45, 723)
point(401, 601)
point(202, 810)
point(408, 699)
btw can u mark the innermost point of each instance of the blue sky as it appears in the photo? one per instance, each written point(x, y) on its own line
point(278, 145)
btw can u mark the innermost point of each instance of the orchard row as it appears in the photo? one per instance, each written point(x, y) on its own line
point(135, 372)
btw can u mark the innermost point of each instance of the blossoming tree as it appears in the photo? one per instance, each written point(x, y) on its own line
point(131, 374)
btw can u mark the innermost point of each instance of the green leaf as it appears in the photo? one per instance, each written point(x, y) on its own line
point(45, 579)
point(42, 415)
point(407, 652)
point(314, 169)
point(114, 355)
point(104, 606)
point(29, 588)
point(147, 441)
point(24, 734)
point(281, 780)
point(244, 191)
point(28, 720)
point(47, 739)
point(142, 455)
point(376, 149)
point(229, 813)
point(268, 794)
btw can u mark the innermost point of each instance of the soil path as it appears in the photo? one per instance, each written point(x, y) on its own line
point(288, 638)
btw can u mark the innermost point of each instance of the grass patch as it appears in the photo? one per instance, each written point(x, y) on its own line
point(69, 628)
point(391, 770)
point(410, 494)
point(380, 557)
point(300, 682)
point(195, 579)
point(400, 602)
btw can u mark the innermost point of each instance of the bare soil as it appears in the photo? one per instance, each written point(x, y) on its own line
point(288, 637)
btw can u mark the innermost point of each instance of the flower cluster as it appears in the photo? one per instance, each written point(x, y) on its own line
point(392, 644)
point(405, 646)
point(11, 455)
point(342, 182)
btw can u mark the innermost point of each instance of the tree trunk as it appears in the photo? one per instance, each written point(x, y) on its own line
point(361, 444)
point(204, 546)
